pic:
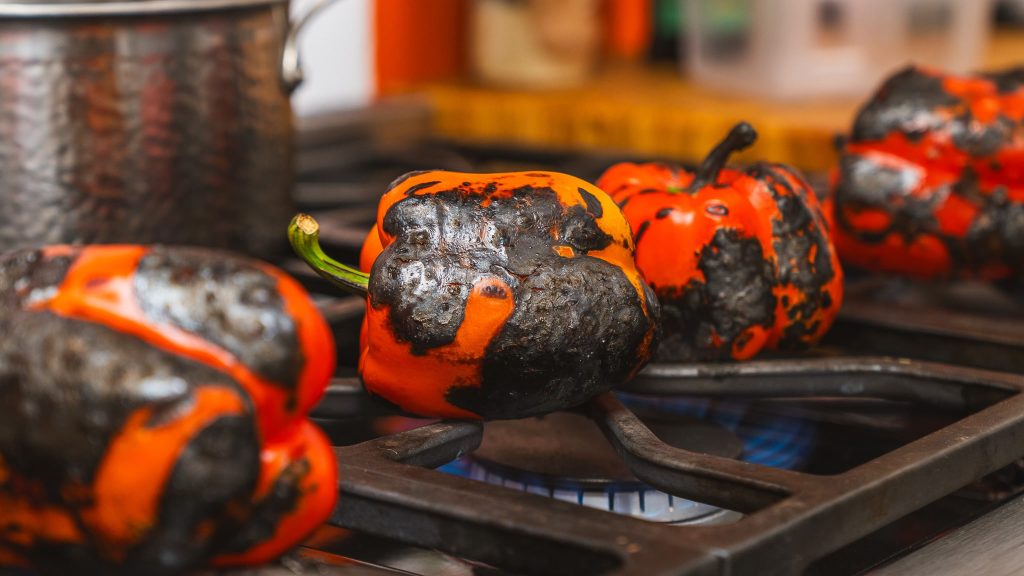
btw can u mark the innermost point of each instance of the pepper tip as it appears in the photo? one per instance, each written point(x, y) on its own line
point(306, 223)
point(744, 134)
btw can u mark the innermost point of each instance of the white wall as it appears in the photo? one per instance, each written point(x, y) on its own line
point(337, 57)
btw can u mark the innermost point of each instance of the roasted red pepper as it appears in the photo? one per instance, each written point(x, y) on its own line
point(930, 182)
point(740, 260)
point(153, 410)
point(495, 295)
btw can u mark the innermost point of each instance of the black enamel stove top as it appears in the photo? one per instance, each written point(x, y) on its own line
point(907, 422)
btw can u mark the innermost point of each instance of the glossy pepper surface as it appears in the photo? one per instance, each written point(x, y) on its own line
point(930, 182)
point(740, 259)
point(495, 295)
point(153, 408)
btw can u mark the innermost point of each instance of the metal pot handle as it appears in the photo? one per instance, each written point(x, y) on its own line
point(291, 64)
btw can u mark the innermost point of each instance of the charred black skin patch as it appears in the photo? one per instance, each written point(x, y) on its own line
point(266, 517)
point(794, 237)
point(641, 231)
point(230, 303)
point(27, 277)
point(910, 102)
point(623, 203)
point(736, 294)
point(421, 186)
point(906, 102)
point(1007, 81)
point(864, 184)
point(997, 233)
point(199, 484)
point(577, 325)
point(593, 204)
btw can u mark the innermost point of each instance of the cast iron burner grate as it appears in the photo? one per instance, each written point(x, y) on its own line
point(791, 518)
point(389, 486)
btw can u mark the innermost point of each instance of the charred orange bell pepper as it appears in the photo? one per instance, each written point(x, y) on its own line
point(494, 295)
point(153, 408)
point(930, 183)
point(740, 259)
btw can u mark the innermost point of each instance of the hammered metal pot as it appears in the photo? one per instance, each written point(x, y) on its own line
point(149, 121)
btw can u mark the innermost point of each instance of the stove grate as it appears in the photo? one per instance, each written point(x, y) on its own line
point(791, 518)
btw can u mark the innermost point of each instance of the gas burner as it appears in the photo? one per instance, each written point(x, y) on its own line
point(564, 456)
point(775, 439)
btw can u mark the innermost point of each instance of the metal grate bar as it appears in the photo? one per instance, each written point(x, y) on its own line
point(385, 492)
point(724, 482)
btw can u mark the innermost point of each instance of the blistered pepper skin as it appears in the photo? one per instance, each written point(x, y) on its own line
point(740, 259)
point(501, 295)
point(153, 408)
point(930, 182)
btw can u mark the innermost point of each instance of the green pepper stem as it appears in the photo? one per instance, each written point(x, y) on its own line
point(304, 235)
point(740, 137)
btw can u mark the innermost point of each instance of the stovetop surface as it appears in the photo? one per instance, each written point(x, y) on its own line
point(905, 424)
point(751, 439)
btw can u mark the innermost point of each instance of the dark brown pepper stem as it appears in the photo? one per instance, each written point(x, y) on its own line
point(304, 235)
point(740, 137)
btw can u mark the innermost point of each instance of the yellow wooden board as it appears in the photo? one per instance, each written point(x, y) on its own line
point(654, 111)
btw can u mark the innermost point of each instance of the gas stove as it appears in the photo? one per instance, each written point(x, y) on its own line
point(898, 435)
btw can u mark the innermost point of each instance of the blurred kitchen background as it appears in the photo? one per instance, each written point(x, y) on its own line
point(658, 78)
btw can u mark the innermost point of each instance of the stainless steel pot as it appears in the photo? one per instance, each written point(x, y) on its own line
point(147, 121)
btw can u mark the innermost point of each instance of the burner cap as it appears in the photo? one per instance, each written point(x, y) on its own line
point(564, 456)
point(565, 447)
